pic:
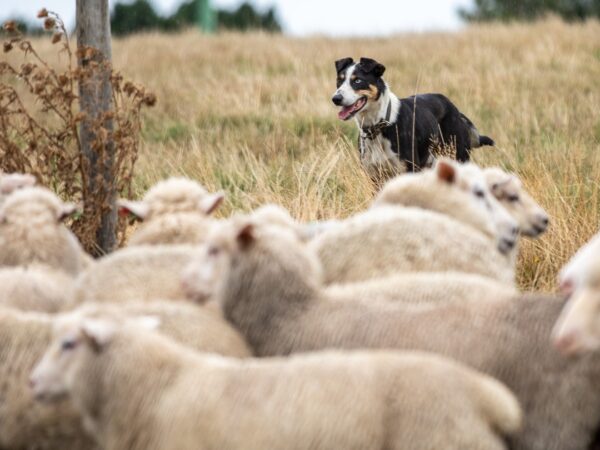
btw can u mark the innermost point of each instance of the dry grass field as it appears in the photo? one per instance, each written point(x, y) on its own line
point(251, 114)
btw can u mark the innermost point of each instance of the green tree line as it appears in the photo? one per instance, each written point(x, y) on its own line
point(489, 10)
point(140, 16)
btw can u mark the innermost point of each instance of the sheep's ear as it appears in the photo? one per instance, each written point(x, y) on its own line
point(67, 210)
point(139, 210)
point(98, 333)
point(246, 235)
point(342, 64)
point(211, 202)
point(446, 172)
point(14, 181)
point(371, 66)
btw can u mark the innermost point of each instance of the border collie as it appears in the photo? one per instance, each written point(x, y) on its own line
point(398, 135)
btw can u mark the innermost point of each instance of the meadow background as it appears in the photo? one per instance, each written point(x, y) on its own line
point(251, 114)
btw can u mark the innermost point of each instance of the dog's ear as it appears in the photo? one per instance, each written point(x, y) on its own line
point(342, 64)
point(371, 66)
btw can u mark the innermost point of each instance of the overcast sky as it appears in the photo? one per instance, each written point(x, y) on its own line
point(305, 17)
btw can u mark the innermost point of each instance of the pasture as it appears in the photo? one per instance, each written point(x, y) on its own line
point(251, 114)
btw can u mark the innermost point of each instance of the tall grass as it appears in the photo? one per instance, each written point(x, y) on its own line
point(251, 114)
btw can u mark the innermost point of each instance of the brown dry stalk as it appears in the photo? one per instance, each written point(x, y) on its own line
point(41, 137)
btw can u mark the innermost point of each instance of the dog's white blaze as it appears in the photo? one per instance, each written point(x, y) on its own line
point(349, 95)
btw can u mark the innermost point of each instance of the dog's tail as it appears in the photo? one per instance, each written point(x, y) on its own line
point(486, 140)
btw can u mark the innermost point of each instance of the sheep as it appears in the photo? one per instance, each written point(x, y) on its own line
point(25, 423)
point(32, 232)
point(422, 287)
point(268, 284)
point(36, 288)
point(10, 182)
point(577, 330)
point(508, 190)
point(174, 211)
point(135, 273)
point(389, 239)
point(200, 328)
point(171, 397)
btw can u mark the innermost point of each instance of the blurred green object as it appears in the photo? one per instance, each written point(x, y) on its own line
point(206, 17)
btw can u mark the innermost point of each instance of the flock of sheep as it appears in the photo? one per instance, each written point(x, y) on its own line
point(397, 328)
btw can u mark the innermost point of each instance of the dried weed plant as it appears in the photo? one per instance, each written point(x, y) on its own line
point(42, 137)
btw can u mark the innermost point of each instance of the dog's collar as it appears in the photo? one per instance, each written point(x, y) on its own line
point(372, 131)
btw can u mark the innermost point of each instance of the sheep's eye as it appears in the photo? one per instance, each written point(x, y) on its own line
point(513, 198)
point(213, 251)
point(68, 345)
point(479, 193)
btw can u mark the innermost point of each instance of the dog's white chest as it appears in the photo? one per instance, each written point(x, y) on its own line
point(377, 157)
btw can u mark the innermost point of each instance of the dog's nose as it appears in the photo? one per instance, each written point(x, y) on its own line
point(337, 99)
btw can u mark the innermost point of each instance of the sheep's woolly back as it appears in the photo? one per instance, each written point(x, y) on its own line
point(425, 287)
point(35, 288)
point(427, 191)
point(173, 229)
point(201, 328)
point(388, 240)
point(24, 422)
point(31, 231)
point(170, 397)
point(135, 273)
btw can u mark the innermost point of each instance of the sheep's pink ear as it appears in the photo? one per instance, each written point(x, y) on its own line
point(211, 202)
point(446, 172)
point(68, 210)
point(246, 235)
point(139, 210)
point(14, 181)
point(98, 332)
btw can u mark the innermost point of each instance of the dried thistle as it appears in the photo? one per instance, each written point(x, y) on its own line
point(10, 26)
point(42, 13)
point(56, 37)
point(8, 47)
point(49, 23)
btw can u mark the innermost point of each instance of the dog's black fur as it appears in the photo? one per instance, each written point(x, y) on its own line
point(420, 121)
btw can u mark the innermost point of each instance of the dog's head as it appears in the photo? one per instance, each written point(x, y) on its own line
point(357, 85)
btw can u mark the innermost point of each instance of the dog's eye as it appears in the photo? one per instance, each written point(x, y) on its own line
point(357, 81)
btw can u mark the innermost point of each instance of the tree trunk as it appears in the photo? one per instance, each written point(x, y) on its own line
point(93, 30)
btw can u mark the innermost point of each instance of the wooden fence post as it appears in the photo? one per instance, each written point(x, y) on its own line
point(93, 30)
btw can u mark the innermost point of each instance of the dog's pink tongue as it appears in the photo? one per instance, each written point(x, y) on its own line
point(345, 112)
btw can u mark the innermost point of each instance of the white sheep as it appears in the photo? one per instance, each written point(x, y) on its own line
point(423, 222)
point(32, 232)
point(135, 273)
point(423, 287)
point(173, 211)
point(171, 397)
point(577, 330)
point(25, 423)
point(268, 285)
point(10, 182)
point(508, 190)
point(36, 288)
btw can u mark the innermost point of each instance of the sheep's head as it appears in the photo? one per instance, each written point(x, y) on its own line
point(174, 195)
point(76, 337)
point(458, 191)
point(508, 190)
point(10, 182)
point(34, 206)
point(208, 274)
point(578, 327)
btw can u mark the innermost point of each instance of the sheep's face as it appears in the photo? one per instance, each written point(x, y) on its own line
point(583, 269)
point(175, 195)
point(471, 179)
point(577, 330)
point(33, 207)
point(508, 190)
point(202, 278)
point(54, 374)
point(10, 182)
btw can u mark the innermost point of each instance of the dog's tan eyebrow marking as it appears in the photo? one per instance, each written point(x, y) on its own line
point(353, 77)
point(342, 76)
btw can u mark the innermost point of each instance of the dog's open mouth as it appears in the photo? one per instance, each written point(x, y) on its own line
point(348, 111)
